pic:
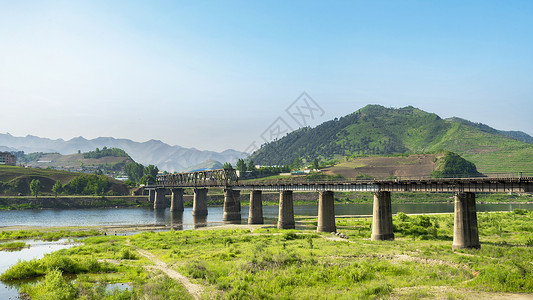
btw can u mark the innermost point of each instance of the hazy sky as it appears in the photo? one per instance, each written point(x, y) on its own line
point(217, 74)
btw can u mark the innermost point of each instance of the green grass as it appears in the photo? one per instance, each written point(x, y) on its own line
point(89, 264)
point(13, 246)
point(300, 264)
point(45, 234)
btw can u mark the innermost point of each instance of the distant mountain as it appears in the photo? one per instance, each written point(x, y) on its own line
point(164, 156)
point(377, 130)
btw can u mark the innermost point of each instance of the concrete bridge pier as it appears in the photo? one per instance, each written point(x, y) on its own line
point(326, 212)
point(237, 196)
point(382, 217)
point(232, 205)
point(465, 230)
point(151, 196)
point(199, 204)
point(176, 200)
point(255, 214)
point(286, 211)
point(159, 201)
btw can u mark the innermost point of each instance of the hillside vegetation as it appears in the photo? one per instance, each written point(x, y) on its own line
point(376, 130)
point(110, 161)
point(16, 180)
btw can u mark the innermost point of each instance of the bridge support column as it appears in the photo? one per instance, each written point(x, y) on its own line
point(326, 212)
point(159, 201)
point(232, 205)
point(255, 214)
point(151, 195)
point(286, 211)
point(176, 201)
point(465, 230)
point(199, 205)
point(382, 217)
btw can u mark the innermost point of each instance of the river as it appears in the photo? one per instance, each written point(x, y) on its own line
point(185, 221)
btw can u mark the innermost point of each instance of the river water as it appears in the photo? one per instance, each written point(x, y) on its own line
point(36, 250)
point(185, 220)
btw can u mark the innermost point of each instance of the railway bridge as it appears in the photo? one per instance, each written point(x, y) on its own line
point(465, 189)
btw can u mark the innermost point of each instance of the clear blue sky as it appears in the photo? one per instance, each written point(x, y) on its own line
point(215, 74)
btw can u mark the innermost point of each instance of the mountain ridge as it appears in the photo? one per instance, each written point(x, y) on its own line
point(164, 156)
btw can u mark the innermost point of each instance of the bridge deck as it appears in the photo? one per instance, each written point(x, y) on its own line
point(481, 184)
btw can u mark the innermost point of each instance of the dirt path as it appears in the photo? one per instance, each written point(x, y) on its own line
point(195, 290)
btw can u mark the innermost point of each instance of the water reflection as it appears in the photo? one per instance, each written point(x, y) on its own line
point(232, 222)
point(176, 220)
point(159, 216)
point(199, 221)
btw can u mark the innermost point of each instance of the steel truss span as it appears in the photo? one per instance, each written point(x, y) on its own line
point(229, 179)
point(211, 178)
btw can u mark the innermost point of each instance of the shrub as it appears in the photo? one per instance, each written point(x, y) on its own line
point(54, 286)
point(287, 236)
point(126, 253)
point(519, 211)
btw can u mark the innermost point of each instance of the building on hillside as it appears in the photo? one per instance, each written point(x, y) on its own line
point(7, 158)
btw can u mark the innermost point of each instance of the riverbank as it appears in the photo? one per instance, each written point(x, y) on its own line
point(72, 202)
point(233, 261)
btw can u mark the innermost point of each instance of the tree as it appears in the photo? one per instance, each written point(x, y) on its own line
point(227, 166)
point(241, 165)
point(251, 166)
point(88, 184)
point(134, 171)
point(35, 187)
point(314, 164)
point(147, 179)
point(58, 188)
point(151, 170)
point(297, 164)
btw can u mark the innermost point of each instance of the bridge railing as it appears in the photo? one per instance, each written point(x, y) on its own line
point(301, 179)
point(219, 177)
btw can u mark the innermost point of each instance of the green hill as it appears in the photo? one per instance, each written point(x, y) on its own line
point(109, 160)
point(16, 180)
point(377, 130)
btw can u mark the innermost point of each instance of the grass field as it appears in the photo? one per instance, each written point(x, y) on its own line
point(267, 263)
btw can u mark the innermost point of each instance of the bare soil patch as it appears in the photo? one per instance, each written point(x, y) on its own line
point(194, 289)
point(412, 166)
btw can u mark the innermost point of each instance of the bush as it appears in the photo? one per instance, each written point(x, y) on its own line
point(23, 269)
point(519, 211)
point(287, 236)
point(88, 185)
point(54, 286)
point(126, 253)
point(54, 261)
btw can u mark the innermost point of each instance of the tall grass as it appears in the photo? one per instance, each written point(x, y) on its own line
point(55, 261)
